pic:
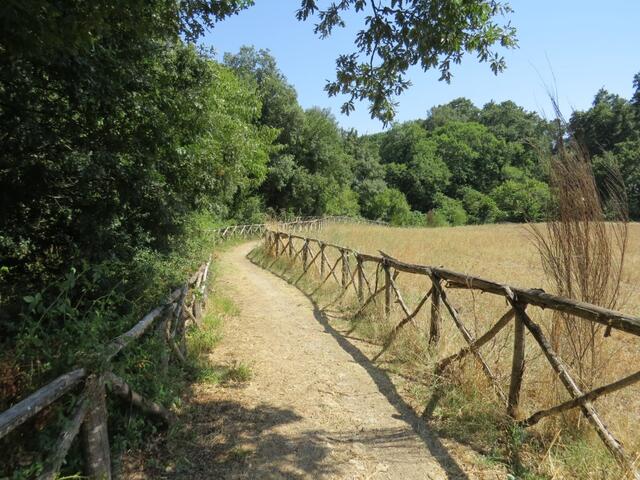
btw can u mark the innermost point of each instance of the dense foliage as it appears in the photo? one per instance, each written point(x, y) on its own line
point(119, 144)
point(399, 34)
point(461, 164)
point(610, 131)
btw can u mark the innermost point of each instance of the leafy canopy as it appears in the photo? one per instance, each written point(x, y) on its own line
point(399, 34)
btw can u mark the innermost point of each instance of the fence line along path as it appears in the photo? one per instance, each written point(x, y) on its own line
point(349, 272)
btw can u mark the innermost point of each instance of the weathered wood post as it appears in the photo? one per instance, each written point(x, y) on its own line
point(387, 289)
point(290, 246)
point(359, 266)
point(517, 366)
point(277, 244)
point(197, 305)
point(434, 327)
point(268, 237)
point(322, 247)
point(95, 437)
point(305, 253)
point(164, 327)
point(345, 268)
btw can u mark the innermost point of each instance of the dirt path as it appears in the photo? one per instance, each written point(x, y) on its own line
point(315, 406)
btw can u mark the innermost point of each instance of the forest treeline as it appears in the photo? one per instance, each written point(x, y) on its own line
point(460, 164)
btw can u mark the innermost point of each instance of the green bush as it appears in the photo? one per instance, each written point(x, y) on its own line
point(391, 205)
point(69, 323)
point(450, 210)
point(480, 208)
point(522, 200)
point(435, 219)
point(344, 203)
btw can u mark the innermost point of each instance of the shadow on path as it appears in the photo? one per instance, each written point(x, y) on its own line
point(387, 388)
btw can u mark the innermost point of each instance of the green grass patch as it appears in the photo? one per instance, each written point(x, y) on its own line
point(224, 375)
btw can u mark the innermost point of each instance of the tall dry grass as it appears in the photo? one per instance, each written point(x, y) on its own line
point(583, 250)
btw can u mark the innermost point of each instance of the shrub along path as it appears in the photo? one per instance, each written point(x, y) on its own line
point(315, 406)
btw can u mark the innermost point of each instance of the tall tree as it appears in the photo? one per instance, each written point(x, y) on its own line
point(457, 110)
point(280, 108)
point(610, 120)
point(113, 129)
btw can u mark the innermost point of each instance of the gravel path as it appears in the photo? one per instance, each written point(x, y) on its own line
point(315, 406)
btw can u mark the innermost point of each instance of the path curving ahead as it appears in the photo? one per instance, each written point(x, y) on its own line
point(315, 406)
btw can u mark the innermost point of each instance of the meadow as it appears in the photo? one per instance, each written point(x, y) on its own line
point(468, 410)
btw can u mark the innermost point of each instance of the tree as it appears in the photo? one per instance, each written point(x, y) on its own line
point(401, 34)
point(522, 200)
point(472, 153)
point(623, 160)
point(309, 173)
point(458, 110)
point(390, 205)
point(114, 130)
point(345, 202)
point(368, 190)
point(529, 138)
point(480, 208)
point(635, 100)
point(366, 157)
point(398, 144)
point(280, 108)
point(319, 146)
point(422, 177)
point(450, 211)
point(609, 121)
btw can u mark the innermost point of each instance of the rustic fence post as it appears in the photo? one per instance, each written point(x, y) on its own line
point(268, 239)
point(387, 289)
point(517, 366)
point(277, 244)
point(359, 266)
point(345, 269)
point(162, 328)
point(197, 304)
point(290, 246)
point(322, 247)
point(434, 327)
point(305, 253)
point(95, 437)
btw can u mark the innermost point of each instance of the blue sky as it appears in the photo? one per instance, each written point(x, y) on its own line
point(580, 46)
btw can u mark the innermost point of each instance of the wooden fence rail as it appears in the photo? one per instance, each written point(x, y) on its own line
point(279, 243)
point(89, 417)
point(298, 224)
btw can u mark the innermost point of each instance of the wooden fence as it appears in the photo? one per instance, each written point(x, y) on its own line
point(297, 224)
point(258, 229)
point(89, 417)
point(348, 270)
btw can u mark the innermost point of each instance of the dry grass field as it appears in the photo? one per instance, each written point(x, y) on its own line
point(504, 252)
point(559, 447)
